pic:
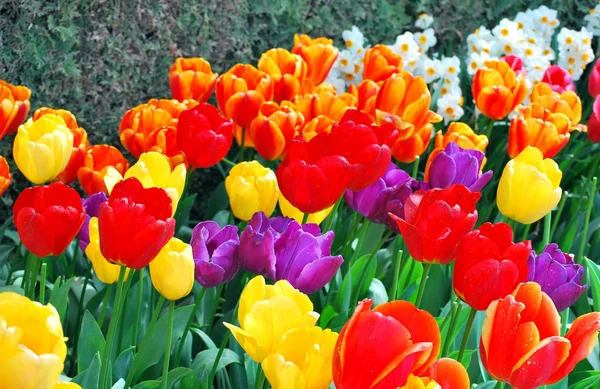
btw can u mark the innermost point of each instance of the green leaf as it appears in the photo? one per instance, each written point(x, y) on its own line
point(4, 227)
point(175, 375)
point(12, 288)
point(362, 268)
point(123, 364)
point(487, 385)
point(205, 338)
point(204, 361)
point(594, 277)
point(589, 382)
point(466, 357)
point(91, 342)
point(182, 215)
point(90, 377)
point(327, 314)
point(60, 297)
point(377, 292)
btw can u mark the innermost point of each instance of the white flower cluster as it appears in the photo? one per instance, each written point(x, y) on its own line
point(348, 67)
point(575, 50)
point(593, 20)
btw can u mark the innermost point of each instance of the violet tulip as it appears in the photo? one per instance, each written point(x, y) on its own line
point(559, 79)
point(215, 252)
point(455, 165)
point(557, 274)
point(91, 206)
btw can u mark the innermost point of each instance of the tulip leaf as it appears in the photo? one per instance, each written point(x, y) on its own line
point(371, 239)
point(466, 357)
point(120, 384)
point(60, 297)
point(487, 385)
point(89, 378)
point(148, 385)
point(4, 227)
point(123, 364)
point(377, 292)
point(5, 250)
point(363, 270)
point(12, 288)
point(217, 202)
point(91, 342)
point(594, 277)
point(205, 338)
point(204, 361)
point(182, 215)
point(327, 314)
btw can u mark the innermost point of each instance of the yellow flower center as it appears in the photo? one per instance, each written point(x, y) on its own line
point(569, 40)
point(349, 76)
point(544, 19)
point(585, 57)
point(431, 71)
point(356, 68)
point(344, 62)
point(571, 61)
point(508, 48)
point(450, 110)
point(451, 69)
point(404, 47)
point(349, 43)
point(504, 32)
point(423, 39)
point(528, 51)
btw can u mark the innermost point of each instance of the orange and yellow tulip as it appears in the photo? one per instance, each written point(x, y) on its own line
point(367, 95)
point(5, 177)
point(319, 55)
point(497, 89)
point(14, 107)
point(96, 163)
point(287, 71)
point(380, 63)
point(566, 103)
point(192, 79)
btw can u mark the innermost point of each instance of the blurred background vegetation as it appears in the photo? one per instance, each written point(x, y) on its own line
point(98, 58)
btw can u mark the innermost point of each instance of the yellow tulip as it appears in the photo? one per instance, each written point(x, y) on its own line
point(251, 188)
point(303, 359)
point(67, 385)
point(529, 187)
point(415, 382)
point(287, 209)
point(172, 271)
point(106, 271)
point(42, 148)
point(266, 312)
point(32, 345)
point(153, 170)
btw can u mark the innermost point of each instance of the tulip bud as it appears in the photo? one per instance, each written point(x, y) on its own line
point(5, 176)
point(14, 107)
point(192, 79)
point(251, 188)
point(172, 271)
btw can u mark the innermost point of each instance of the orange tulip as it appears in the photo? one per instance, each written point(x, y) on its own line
point(316, 126)
point(164, 140)
point(96, 163)
point(521, 342)
point(567, 103)
point(380, 63)
point(497, 89)
point(241, 91)
point(367, 95)
point(14, 107)
point(5, 177)
point(192, 79)
point(287, 71)
point(319, 55)
point(407, 150)
point(540, 128)
point(80, 142)
point(273, 129)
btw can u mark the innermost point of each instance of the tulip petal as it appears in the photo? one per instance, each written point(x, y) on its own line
point(449, 374)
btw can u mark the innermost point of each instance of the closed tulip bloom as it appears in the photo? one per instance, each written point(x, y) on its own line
point(529, 187)
point(557, 274)
point(287, 71)
point(445, 373)
point(172, 271)
point(288, 210)
point(380, 63)
point(515, 63)
point(204, 135)
point(33, 343)
point(5, 176)
point(135, 223)
point(42, 148)
point(98, 159)
point(251, 188)
point(48, 218)
point(497, 89)
point(67, 385)
point(521, 342)
point(367, 94)
point(302, 359)
point(153, 170)
point(106, 271)
point(594, 80)
point(14, 107)
point(559, 79)
point(91, 205)
point(319, 55)
point(216, 253)
point(489, 265)
point(266, 312)
point(593, 123)
point(323, 102)
point(463, 135)
point(455, 165)
point(192, 79)
point(566, 103)
point(241, 91)
point(435, 221)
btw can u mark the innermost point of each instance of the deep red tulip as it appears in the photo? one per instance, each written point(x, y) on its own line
point(559, 79)
point(48, 218)
point(594, 80)
point(593, 124)
point(204, 135)
point(489, 265)
point(436, 221)
point(135, 224)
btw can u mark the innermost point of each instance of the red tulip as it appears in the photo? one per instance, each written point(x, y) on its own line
point(594, 80)
point(135, 224)
point(521, 342)
point(436, 221)
point(593, 124)
point(559, 79)
point(48, 218)
point(204, 135)
point(515, 63)
point(489, 265)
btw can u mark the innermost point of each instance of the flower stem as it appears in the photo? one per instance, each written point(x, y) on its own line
point(260, 378)
point(242, 145)
point(586, 223)
point(305, 218)
point(105, 300)
point(188, 325)
point(34, 269)
point(213, 371)
point(465, 339)
point(415, 170)
point(426, 268)
point(373, 254)
point(454, 312)
point(228, 162)
point(547, 229)
point(561, 206)
point(165, 375)
point(138, 307)
point(397, 264)
point(499, 385)
point(333, 214)
point(361, 235)
point(43, 284)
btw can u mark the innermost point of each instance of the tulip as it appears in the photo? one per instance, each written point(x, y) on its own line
point(48, 218)
point(14, 103)
point(266, 313)
point(302, 359)
point(215, 252)
point(241, 91)
point(106, 271)
point(497, 89)
point(42, 148)
point(557, 274)
point(273, 129)
point(445, 373)
point(462, 135)
point(91, 205)
point(559, 79)
point(593, 123)
point(436, 221)
point(489, 265)
point(203, 135)
point(567, 103)
point(380, 63)
point(33, 343)
point(5, 176)
point(288, 210)
point(97, 161)
point(521, 343)
point(529, 187)
point(192, 79)
point(367, 94)
point(172, 271)
point(67, 385)
point(319, 55)
point(593, 81)
point(135, 223)
point(324, 101)
point(455, 165)
point(287, 71)
point(407, 150)
point(515, 63)
point(251, 188)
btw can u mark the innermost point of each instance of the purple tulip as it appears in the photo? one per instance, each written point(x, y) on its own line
point(91, 205)
point(557, 274)
point(455, 165)
point(282, 249)
point(216, 253)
